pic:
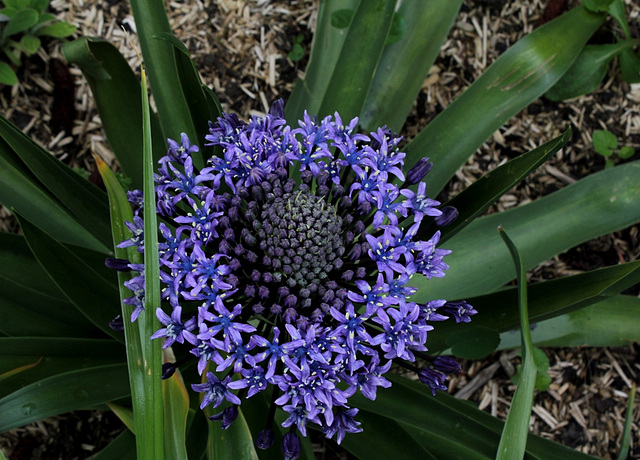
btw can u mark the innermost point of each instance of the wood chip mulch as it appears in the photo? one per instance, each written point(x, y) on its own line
point(241, 49)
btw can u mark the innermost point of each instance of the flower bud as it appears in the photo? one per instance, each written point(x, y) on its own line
point(117, 324)
point(120, 265)
point(290, 446)
point(446, 364)
point(227, 416)
point(433, 379)
point(168, 369)
point(449, 214)
point(265, 439)
point(417, 173)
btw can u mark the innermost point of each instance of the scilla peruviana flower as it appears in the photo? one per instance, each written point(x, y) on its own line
point(287, 264)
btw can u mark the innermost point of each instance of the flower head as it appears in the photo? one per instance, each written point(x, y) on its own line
point(287, 262)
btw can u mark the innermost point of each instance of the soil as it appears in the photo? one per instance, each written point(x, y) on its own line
point(241, 49)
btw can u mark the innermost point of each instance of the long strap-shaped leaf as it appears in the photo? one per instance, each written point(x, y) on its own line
point(176, 409)
point(121, 213)
point(513, 441)
point(353, 74)
point(355, 66)
point(458, 422)
point(21, 190)
point(232, 443)
point(256, 413)
point(308, 93)
point(59, 355)
point(608, 323)
point(522, 74)
point(546, 300)
point(121, 448)
point(395, 87)
point(477, 198)
point(25, 312)
point(93, 296)
point(73, 390)
point(85, 202)
point(392, 440)
point(596, 205)
point(173, 110)
point(18, 265)
point(152, 445)
point(203, 103)
point(116, 91)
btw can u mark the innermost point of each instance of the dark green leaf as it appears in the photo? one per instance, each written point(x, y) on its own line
point(92, 295)
point(116, 91)
point(587, 71)
point(19, 189)
point(25, 312)
point(477, 198)
point(84, 201)
point(475, 342)
point(541, 229)
point(60, 355)
point(197, 432)
point(546, 300)
point(598, 6)
point(354, 70)
point(394, 89)
point(16, 4)
point(194, 93)
point(46, 17)
point(398, 29)
point(255, 410)
point(18, 265)
point(519, 76)
point(159, 59)
point(454, 421)
point(630, 66)
point(63, 393)
point(398, 443)
point(616, 9)
point(441, 447)
point(608, 323)
point(308, 93)
point(343, 86)
point(233, 443)
point(38, 5)
point(121, 448)
point(342, 18)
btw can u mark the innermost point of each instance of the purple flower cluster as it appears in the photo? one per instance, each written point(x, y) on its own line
point(286, 263)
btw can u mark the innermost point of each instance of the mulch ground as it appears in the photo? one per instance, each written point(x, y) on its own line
point(241, 49)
